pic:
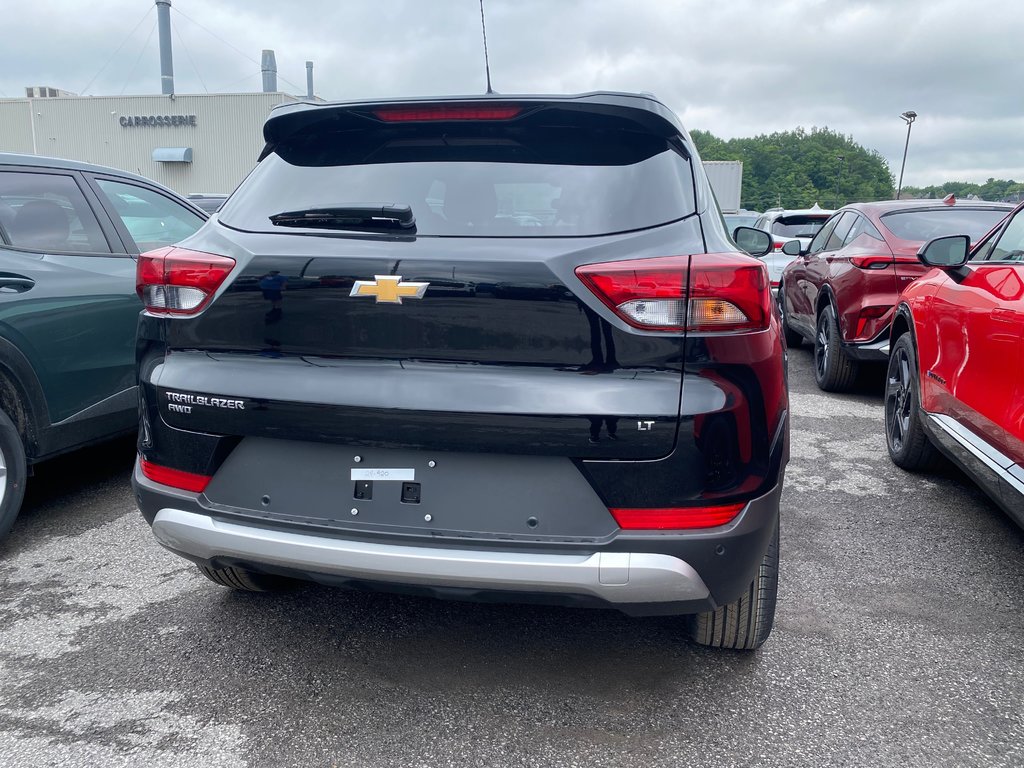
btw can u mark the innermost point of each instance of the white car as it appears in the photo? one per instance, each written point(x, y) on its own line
point(785, 224)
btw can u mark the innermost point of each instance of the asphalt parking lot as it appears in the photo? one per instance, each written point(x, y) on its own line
point(898, 642)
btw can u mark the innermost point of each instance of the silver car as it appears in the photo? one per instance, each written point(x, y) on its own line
point(785, 224)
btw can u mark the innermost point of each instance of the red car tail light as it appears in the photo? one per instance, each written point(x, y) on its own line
point(176, 478)
point(176, 281)
point(447, 112)
point(676, 518)
point(871, 262)
point(724, 292)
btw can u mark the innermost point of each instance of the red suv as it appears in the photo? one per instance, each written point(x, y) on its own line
point(842, 291)
point(957, 349)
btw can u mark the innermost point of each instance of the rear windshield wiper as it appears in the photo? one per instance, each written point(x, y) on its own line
point(386, 217)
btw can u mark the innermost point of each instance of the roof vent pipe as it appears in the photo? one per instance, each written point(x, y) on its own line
point(309, 80)
point(269, 71)
point(163, 15)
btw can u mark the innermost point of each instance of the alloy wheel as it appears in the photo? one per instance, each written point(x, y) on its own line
point(821, 347)
point(898, 399)
point(3, 476)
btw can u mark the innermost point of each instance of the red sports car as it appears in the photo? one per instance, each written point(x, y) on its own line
point(954, 383)
point(841, 292)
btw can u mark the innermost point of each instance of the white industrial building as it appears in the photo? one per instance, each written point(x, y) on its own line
point(196, 143)
point(199, 143)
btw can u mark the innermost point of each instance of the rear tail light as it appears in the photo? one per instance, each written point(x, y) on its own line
point(724, 292)
point(777, 245)
point(176, 478)
point(175, 281)
point(447, 112)
point(676, 518)
point(871, 262)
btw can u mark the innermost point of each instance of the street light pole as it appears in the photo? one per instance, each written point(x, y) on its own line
point(839, 181)
point(909, 116)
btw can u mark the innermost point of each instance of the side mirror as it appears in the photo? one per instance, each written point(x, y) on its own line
point(949, 252)
point(792, 248)
point(756, 242)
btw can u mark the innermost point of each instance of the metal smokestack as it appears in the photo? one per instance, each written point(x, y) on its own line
point(269, 71)
point(163, 15)
point(309, 80)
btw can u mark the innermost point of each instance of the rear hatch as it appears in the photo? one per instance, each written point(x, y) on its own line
point(406, 278)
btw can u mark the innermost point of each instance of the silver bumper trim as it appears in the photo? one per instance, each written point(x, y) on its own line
point(616, 577)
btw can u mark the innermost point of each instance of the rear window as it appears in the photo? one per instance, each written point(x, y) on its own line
point(937, 222)
point(798, 226)
point(739, 220)
point(478, 179)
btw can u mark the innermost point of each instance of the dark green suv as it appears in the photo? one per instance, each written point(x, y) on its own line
point(69, 237)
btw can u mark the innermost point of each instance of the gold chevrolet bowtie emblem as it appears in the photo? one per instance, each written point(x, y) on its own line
point(388, 289)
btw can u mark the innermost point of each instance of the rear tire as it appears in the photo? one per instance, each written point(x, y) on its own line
point(833, 370)
point(793, 338)
point(745, 624)
point(246, 581)
point(908, 443)
point(13, 473)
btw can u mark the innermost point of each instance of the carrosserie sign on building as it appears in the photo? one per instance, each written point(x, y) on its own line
point(156, 121)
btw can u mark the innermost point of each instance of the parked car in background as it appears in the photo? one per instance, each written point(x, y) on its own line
point(210, 203)
point(741, 218)
point(532, 441)
point(954, 383)
point(784, 225)
point(841, 292)
point(70, 234)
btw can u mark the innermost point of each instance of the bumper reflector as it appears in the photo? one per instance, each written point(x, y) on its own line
point(676, 518)
point(176, 478)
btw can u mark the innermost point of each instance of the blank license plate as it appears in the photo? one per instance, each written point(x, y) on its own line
point(404, 474)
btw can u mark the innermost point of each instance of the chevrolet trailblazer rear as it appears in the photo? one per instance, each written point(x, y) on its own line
point(477, 348)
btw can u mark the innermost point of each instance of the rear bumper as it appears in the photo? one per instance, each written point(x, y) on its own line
point(611, 577)
point(636, 572)
point(872, 351)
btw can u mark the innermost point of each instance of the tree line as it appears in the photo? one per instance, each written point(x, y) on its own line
point(796, 169)
point(993, 189)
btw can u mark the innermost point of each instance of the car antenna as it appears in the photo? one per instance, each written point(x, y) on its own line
point(487, 62)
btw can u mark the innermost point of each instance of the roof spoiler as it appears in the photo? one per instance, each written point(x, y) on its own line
point(647, 113)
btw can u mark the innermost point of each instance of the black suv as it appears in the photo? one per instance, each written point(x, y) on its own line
point(480, 348)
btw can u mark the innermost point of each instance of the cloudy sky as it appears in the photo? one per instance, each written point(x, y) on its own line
point(733, 67)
